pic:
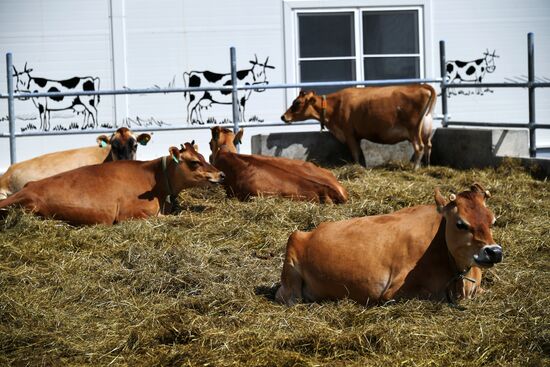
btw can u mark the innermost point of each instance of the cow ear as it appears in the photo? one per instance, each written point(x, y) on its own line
point(238, 138)
point(103, 141)
point(479, 189)
point(143, 139)
point(174, 154)
point(215, 133)
point(440, 201)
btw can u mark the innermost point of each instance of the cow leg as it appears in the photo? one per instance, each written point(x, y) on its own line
point(290, 291)
point(418, 147)
point(355, 149)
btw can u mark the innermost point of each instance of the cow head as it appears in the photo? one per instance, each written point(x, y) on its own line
point(302, 108)
point(490, 60)
point(224, 137)
point(192, 169)
point(468, 228)
point(23, 79)
point(123, 144)
point(259, 71)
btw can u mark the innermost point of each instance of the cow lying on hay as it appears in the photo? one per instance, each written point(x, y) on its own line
point(255, 175)
point(122, 145)
point(427, 251)
point(384, 115)
point(115, 191)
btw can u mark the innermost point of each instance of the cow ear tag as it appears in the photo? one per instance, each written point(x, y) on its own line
point(103, 144)
point(175, 159)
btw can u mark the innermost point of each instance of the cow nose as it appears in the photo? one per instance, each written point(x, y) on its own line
point(493, 253)
point(283, 118)
point(222, 176)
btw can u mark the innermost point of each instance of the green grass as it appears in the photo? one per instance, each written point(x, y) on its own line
point(197, 288)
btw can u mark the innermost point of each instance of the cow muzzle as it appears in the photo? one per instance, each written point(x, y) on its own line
point(219, 179)
point(286, 120)
point(488, 256)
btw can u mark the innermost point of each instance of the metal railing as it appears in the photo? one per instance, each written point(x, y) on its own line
point(234, 88)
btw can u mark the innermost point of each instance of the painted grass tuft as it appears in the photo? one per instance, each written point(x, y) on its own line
point(197, 288)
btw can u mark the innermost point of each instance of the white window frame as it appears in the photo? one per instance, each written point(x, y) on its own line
point(291, 9)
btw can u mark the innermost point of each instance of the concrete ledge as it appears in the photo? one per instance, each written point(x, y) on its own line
point(462, 148)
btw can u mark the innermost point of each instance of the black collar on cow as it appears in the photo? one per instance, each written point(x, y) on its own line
point(170, 197)
point(323, 111)
point(460, 275)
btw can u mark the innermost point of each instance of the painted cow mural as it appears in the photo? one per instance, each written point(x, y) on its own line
point(203, 100)
point(470, 71)
point(87, 105)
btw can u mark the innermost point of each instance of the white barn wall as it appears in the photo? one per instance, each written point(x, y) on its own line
point(144, 43)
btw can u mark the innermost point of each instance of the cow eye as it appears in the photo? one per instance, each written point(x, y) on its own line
point(461, 225)
point(295, 106)
point(194, 164)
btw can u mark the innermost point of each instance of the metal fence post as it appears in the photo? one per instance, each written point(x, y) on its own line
point(443, 70)
point(531, 80)
point(11, 113)
point(234, 95)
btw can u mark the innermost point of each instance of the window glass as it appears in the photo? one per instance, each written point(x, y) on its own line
point(326, 34)
point(327, 70)
point(377, 68)
point(390, 32)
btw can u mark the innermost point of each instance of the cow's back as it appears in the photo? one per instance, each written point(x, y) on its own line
point(92, 194)
point(48, 165)
point(384, 115)
point(374, 254)
point(252, 175)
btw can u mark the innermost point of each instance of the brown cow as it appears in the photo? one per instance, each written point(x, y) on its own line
point(255, 175)
point(427, 251)
point(121, 145)
point(115, 191)
point(385, 115)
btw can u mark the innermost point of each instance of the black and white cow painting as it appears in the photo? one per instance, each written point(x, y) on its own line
point(471, 71)
point(199, 101)
point(87, 105)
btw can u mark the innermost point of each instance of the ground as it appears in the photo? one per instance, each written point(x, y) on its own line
point(197, 288)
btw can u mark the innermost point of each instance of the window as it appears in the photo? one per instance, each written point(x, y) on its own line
point(358, 44)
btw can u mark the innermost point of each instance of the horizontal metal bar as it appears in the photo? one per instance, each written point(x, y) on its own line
point(498, 85)
point(239, 87)
point(489, 124)
point(152, 129)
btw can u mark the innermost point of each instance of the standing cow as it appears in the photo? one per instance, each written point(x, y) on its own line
point(384, 115)
point(203, 100)
point(471, 71)
point(25, 83)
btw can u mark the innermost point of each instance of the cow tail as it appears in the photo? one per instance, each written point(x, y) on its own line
point(96, 86)
point(185, 84)
point(430, 105)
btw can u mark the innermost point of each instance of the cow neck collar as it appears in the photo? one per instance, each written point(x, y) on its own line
point(323, 111)
point(459, 275)
point(170, 197)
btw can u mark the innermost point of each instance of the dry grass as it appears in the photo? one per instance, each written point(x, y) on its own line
point(197, 288)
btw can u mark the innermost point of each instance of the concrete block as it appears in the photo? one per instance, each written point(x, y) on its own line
point(319, 147)
point(477, 148)
point(324, 148)
point(381, 154)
